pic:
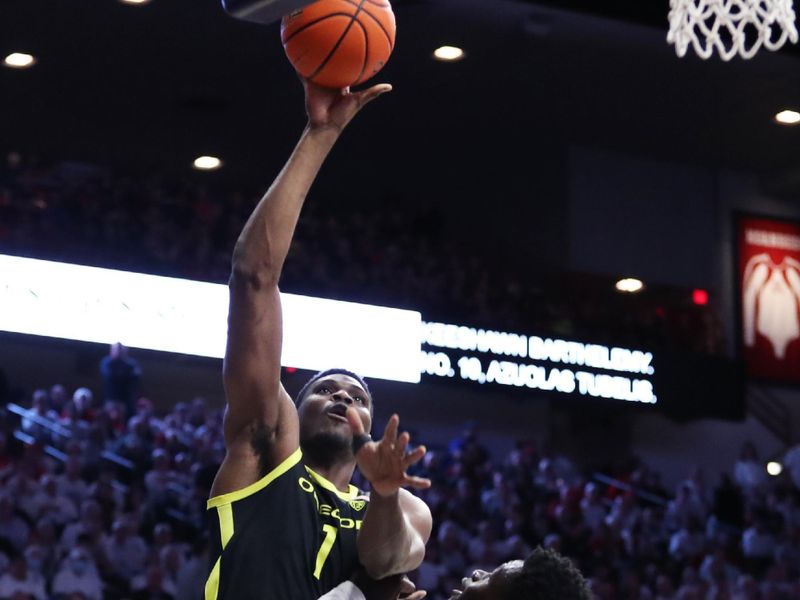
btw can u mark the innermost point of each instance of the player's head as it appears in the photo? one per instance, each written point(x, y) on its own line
point(309, 385)
point(321, 405)
point(544, 575)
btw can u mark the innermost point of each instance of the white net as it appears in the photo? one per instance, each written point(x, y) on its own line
point(730, 27)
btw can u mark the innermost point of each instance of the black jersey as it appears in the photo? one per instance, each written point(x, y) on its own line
point(289, 536)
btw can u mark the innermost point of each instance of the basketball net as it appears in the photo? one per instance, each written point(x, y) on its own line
point(730, 27)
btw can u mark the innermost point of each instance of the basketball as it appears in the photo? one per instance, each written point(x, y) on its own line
point(339, 43)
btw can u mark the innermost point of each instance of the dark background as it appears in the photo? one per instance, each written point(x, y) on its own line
point(571, 137)
point(486, 139)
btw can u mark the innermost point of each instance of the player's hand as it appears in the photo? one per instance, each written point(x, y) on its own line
point(409, 591)
point(333, 109)
point(394, 587)
point(384, 463)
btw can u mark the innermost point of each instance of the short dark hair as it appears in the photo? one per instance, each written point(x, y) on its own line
point(301, 395)
point(547, 575)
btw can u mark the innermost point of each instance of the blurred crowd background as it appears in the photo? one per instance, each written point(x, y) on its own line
point(104, 479)
point(103, 496)
point(388, 255)
point(100, 500)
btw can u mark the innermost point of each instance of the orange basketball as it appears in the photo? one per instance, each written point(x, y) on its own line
point(339, 43)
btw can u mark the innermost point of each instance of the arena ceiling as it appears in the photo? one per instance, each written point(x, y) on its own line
point(153, 86)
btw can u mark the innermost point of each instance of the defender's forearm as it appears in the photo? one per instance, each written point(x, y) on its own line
point(264, 242)
point(387, 541)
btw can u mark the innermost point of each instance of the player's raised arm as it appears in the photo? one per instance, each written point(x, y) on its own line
point(257, 403)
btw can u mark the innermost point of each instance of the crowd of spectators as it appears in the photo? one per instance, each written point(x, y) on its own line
point(738, 539)
point(404, 258)
point(97, 502)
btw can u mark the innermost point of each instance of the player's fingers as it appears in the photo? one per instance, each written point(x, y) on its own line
point(406, 586)
point(373, 92)
point(401, 444)
point(414, 456)
point(354, 420)
point(418, 595)
point(377, 89)
point(419, 483)
point(390, 433)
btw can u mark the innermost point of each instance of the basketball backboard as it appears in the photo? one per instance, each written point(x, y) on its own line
point(262, 11)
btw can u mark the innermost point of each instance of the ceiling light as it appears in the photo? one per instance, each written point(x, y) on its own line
point(207, 163)
point(134, 1)
point(448, 53)
point(788, 117)
point(774, 468)
point(629, 285)
point(19, 60)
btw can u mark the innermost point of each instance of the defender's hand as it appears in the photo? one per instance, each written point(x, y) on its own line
point(409, 591)
point(333, 109)
point(394, 587)
point(384, 463)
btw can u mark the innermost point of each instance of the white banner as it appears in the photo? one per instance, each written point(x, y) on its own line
point(90, 304)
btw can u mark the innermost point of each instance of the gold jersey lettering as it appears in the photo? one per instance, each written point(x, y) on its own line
point(308, 487)
point(327, 510)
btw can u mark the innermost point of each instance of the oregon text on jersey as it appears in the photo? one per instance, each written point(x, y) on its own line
point(289, 536)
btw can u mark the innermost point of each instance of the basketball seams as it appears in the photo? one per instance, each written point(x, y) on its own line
point(338, 42)
point(373, 2)
point(366, 50)
point(330, 50)
point(378, 22)
point(314, 22)
point(361, 8)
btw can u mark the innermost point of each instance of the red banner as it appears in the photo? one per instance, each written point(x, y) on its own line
point(769, 279)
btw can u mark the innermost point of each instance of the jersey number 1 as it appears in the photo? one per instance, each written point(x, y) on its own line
point(325, 548)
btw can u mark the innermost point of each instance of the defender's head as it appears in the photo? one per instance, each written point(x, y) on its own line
point(544, 575)
point(321, 405)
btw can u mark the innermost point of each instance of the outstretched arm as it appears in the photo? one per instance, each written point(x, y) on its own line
point(258, 406)
point(397, 524)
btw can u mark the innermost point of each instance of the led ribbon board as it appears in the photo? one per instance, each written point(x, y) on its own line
point(530, 362)
point(90, 304)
